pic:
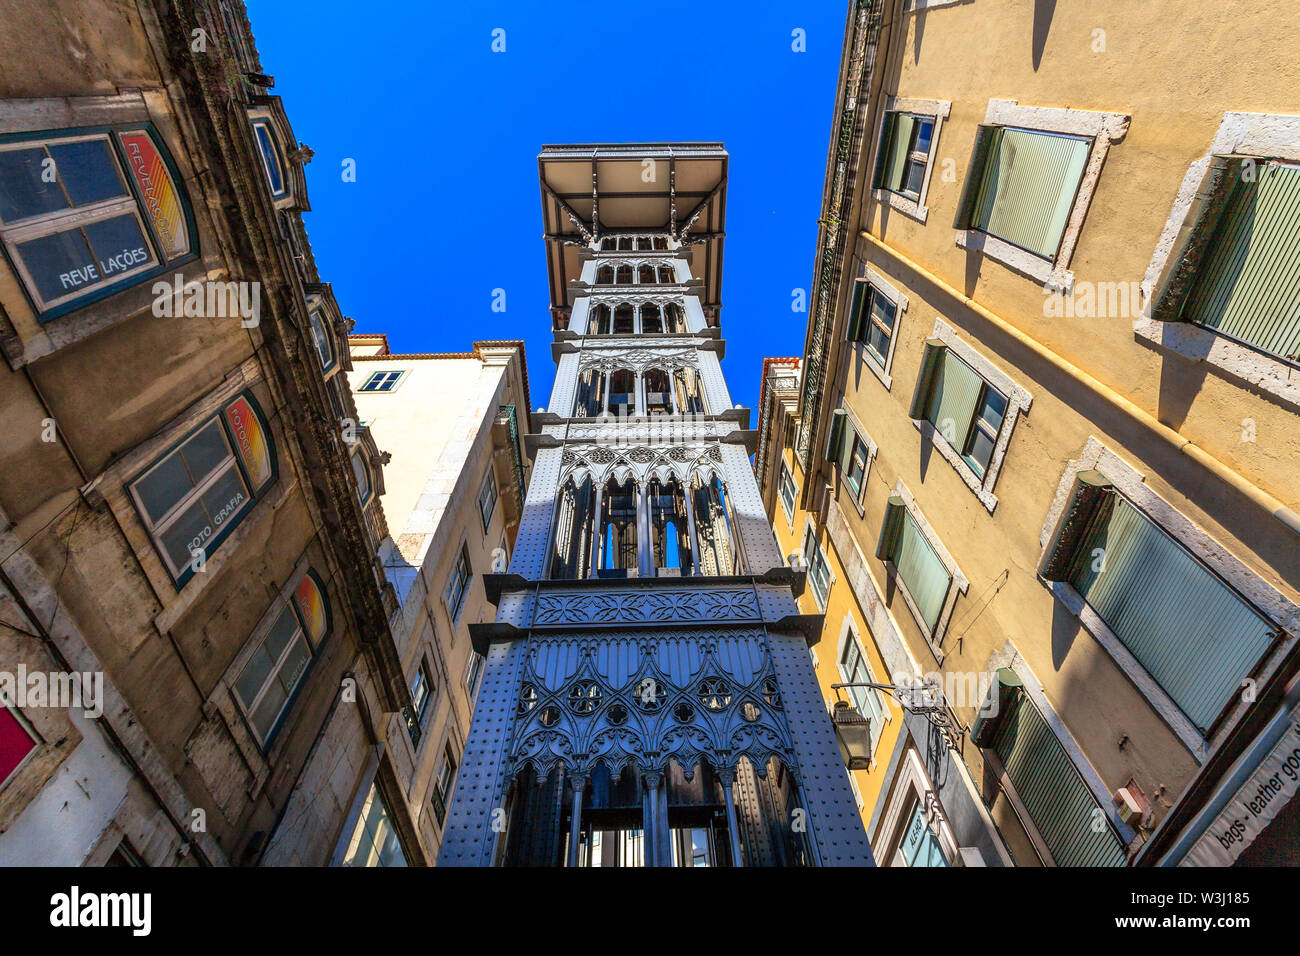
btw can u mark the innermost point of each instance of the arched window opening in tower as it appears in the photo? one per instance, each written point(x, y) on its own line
point(643, 242)
point(624, 319)
point(590, 402)
point(670, 537)
point(675, 319)
point(715, 531)
point(667, 275)
point(690, 392)
point(605, 275)
point(599, 322)
point(625, 243)
point(617, 554)
point(623, 275)
point(645, 275)
point(622, 393)
point(652, 321)
point(574, 513)
point(658, 398)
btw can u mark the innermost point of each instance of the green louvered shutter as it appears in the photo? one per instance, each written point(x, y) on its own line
point(1249, 281)
point(1050, 786)
point(836, 438)
point(986, 140)
point(857, 309)
point(954, 396)
point(884, 152)
point(1030, 188)
point(891, 529)
point(898, 151)
point(934, 352)
point(921, 570)
point(1191, 632)
point(846, 445)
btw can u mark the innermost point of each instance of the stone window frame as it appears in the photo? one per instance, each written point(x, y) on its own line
point(901, 301)
point(1018, 402)
point(849, 631)
point(453, 617)
point(859, 500)
point(223, 696)
point(810, 528)
point(938, 110)
point(959, 583)
point(111, 488)
point(1131, 483)
point(1010, 656)
point(782, 473)
point(911, 781)
point(1272, 135)
point(23, 338)
point(1105, 129)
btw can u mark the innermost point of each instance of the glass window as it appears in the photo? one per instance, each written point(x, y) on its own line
point(458, 584)
point(965, 410)
point(1029, 185)
point(271, 163)
point(374, 842)
point(191, 498)
point(854, 669)
point(920, 845)
point(658, 397)
point(857, 464)
point(905, 152)
point(80, 214)
point(361, 471)
point(417, 710)
point(381, 382)
point(880, 325)
point(590, 399)
point(320, 338)
point(788, 491)
point(443, 783)
point(472, 673)
point(819, 573)
point(487, 498)
point(269, 677)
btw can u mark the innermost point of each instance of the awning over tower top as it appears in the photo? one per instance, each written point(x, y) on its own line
point(596, 190)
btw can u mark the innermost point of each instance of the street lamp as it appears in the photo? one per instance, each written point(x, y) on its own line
point(853, 730)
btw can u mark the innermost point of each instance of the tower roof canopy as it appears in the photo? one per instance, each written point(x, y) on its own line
point(593, 190)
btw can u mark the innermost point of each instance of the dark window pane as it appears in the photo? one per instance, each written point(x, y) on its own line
point(915, 177)
point(981, 450)
point(295, 663)
point(924, 129)
point(225, 499)
point(205, 451)
point(89, 171)
point(254, 676)
point(165, 485)
point(270, 159)
point(60, 263)
point(992, 409)
point(264, 717)
point(119, 245)
point(281, 633)
point(22, 193)
point(191, 530)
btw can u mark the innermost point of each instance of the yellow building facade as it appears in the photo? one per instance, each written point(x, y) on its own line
point(1047, 420)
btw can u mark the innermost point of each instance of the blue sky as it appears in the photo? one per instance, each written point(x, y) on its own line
point(445, 135)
